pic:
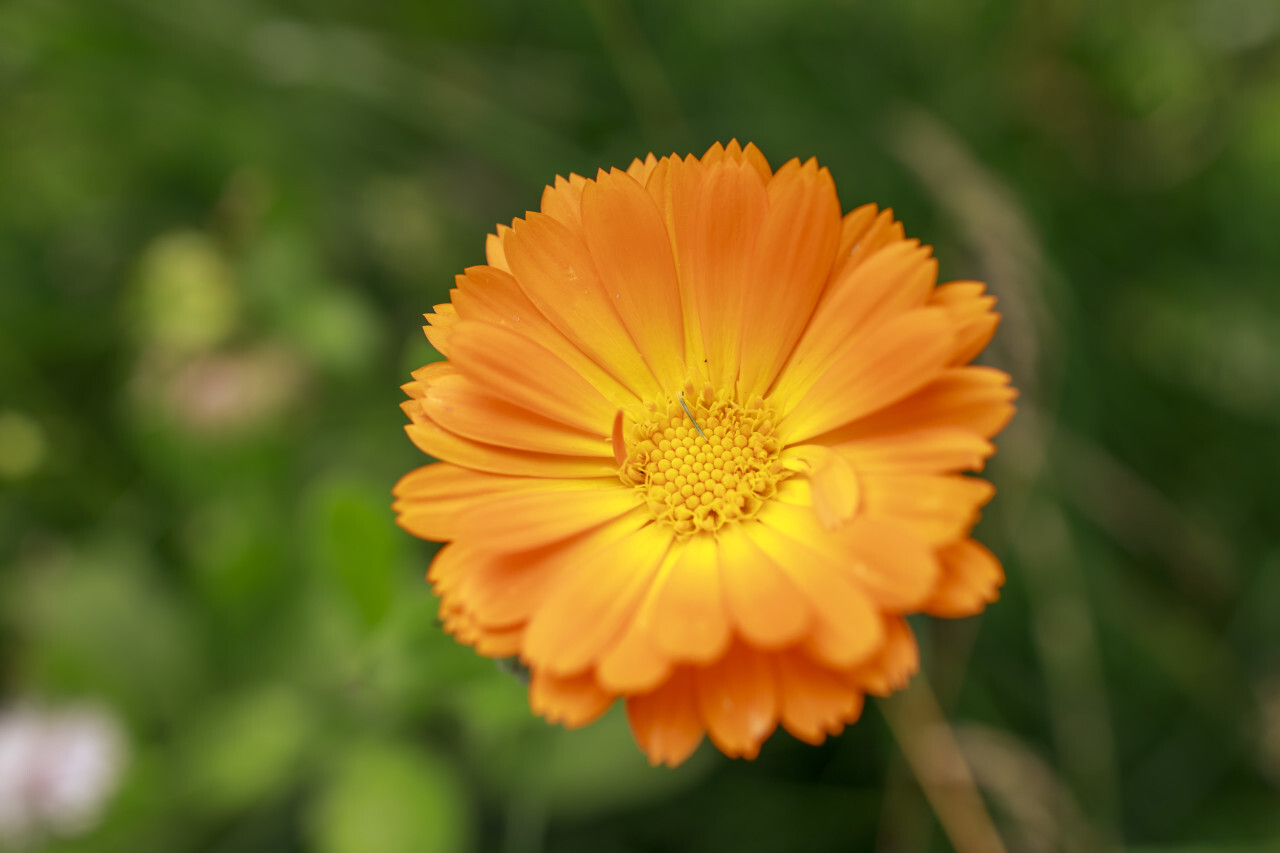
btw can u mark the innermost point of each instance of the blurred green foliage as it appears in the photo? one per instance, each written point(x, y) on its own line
point(220, 219)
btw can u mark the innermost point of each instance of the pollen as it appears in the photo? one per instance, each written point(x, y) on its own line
point(703, 462)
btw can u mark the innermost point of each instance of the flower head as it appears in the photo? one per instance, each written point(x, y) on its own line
point(57, 770)
point(703, 442)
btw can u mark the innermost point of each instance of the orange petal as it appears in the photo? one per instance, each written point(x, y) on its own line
point(893, 665)
point(439, 328)
point(501, 643)
point(883, 231)
point(767, 608)
point(506, 588)
point(641, 169)
point(970, 310)
point(498, 643)
point(735, 153)
point(924, 451)
point(556, 270)
point(430, 499)
point(448, 565)
point(885, 560)
point(424, 376)
point(936, 508)
point(794, 252)
point(847, 626)
point(465, 408)
point(737, 698)
point(971, 579)
point(853, 227)
point(717, 214)
point(528, 375)
point(632, 665)
point(595, 602)
point(493, 253)
point(891, 281)
point(977, 399)
point(896, 569)
point(563, 201)
point(815, 701)
point(442, 444)
point(666, 723)
point(573, 702)
point(632, 252)
point(881, 367)
point(494, 296)
point(556, 510)
point(832, 481)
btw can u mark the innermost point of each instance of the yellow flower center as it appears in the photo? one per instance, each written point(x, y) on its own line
point(698, 478)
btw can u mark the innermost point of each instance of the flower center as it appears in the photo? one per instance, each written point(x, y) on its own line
point(699, 478)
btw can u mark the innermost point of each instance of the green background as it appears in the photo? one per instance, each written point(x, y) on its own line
point(221, 220)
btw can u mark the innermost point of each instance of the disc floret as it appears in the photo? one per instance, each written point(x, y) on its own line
point(699, 473)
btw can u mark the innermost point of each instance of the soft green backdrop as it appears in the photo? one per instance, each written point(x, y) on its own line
point(221, 220)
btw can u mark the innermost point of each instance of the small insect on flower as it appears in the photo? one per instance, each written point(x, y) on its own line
point(755, 570)
point(685, 406)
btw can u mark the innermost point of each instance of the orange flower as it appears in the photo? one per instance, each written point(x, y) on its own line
point(702, 440)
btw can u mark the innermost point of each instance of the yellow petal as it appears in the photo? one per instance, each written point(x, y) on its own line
point(846, 626)
point(887, 561)
point(766, 607)
point(595, 603)
point(833, 483)
point(688, 620)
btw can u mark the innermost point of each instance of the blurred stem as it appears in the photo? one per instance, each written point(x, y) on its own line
point(930, 748)
point(526, 824)
point(641, 74)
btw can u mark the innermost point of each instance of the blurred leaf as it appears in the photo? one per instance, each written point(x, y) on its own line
point(587, 772)
point(337, 329)
point(390, 798)
point(95, 623)
point(351, 537)
point(248, 748)
point(186, 296)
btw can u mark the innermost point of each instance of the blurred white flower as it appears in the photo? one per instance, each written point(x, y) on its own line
point(57, 768)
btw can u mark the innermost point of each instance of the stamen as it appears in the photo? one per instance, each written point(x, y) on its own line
point(685, 406)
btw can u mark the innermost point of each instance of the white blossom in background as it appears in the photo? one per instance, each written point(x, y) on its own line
point(57, 769)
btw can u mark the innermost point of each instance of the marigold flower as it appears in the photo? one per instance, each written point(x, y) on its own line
point(702, 442)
